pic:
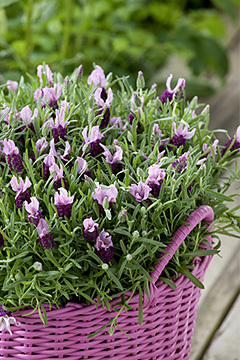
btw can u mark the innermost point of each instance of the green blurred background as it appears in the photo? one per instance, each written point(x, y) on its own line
point(122, 36)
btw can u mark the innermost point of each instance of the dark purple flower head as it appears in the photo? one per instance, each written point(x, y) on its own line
point(104, 247)
point(34, 215)
point(170, 93)
point(181, 134)
point(21, 189)
point(140, 191)
point(181, 164)
point(93, 140)
point(233, 143)
point(45, 239)
point(90, 231)
point(4, 312)
point(63, 203)
point(58, 176)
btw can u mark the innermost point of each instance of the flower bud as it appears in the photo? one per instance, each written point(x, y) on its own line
point(206, 110)
point(122, 216)
point(109, 78)
point(66, 86)
point(37, 266)
point(143, 211)
point(140, 80)
point(77, 75)
point(144, 233)
point(104, 266)
point(140, 173)
point(135, 234)
point(129, 136)
point(193, 103)
point(129, 257)
point(137, 100)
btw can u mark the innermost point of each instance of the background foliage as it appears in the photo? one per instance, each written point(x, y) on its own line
point(122, 36)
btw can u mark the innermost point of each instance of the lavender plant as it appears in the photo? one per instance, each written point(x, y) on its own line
point(95, 182)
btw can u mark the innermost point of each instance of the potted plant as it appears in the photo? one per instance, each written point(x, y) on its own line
point(104, 190)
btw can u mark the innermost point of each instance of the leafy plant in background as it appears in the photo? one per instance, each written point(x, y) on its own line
point(95, 179)
point(122, 36)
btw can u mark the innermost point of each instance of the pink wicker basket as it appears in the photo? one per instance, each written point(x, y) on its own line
point(166, 331)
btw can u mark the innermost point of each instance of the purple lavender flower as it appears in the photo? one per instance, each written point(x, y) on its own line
point(34, 215)
point(97, 77)
point(45, 239)
point(49, 160)
point(1, 245)
point(90, 231)
point(169, 93)
point(59, 126)
point(113, 156)
point(63, 203)
point(104, 247)
point(58, 176)
point(103, 101)
point(13, 85)
point(155, 179)
point(156, 137)
point(181, 135)
point(207, 151)
point(41, 145)
point(109, 192)
point(233, 143)
point(26, 115)
point(52, 95)
point(82, 167)
point(93, 141)
point(140, 191)
point(181, 164)
point(21, 189)
point(47, 72)
point(14, 160)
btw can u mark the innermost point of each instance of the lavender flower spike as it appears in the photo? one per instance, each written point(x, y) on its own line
point(14, 160)
point(34, 215)
point(21, 189)
point(140, 191)
point(58, 176)
point(45, 239)
point(59, 126)
point(181, 164)
point(63, 202)
point(90, 231)
point(109, 193)
point(104, 247)
point(97, 77)
point(93, 140)
point(168, 94)
point(181, 134)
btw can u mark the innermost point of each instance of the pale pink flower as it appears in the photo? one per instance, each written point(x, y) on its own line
point(6, 321)
point(180, 84)
point(62, 197)
point(155, 174)
point(33, 207)
point(183, 131)
point(109, 193)
point(21, 186)
point(99, 101)
point(82, 164)
point(115, 157)
point(13, 85)
point(59, 120)
point(97, 77)
point(58, 172)
point(47, 72)
point(140, 191)
point(41, 145)
point(9, 147)
point(95, 134)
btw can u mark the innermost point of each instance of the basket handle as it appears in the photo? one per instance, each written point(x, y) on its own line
point(204, 212)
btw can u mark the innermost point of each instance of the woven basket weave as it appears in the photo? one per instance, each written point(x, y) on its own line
point(166, 331)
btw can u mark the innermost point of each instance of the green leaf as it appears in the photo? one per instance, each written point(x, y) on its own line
point(115, 279)
point(169, 282)
point(140, 306)
point(191, 277)
point(200, 253)
point(218, 195)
